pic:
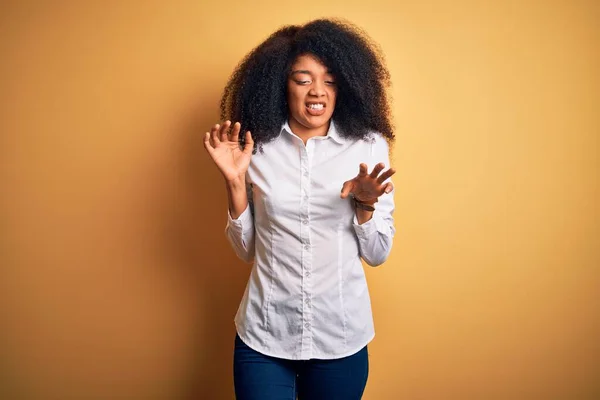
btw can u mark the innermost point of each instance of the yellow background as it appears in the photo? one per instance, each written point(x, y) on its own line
point(116, 278)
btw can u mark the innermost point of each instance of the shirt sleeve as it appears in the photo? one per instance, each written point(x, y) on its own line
point(240, 231)
point(375, 236)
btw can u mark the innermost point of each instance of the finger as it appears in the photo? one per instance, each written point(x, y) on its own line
point(249, 146)
point(362, 169)
point(207, 145)
point(346, 189)
point(378, 168)
point(386, 175)
point(388, 187)
point(235, 132)
point(224, 131)
point(214, 135)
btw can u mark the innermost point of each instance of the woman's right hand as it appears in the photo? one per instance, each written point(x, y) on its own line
point(224, 149)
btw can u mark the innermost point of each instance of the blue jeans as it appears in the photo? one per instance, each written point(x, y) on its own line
point(260, 377)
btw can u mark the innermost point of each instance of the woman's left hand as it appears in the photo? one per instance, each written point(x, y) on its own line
point(366, 187)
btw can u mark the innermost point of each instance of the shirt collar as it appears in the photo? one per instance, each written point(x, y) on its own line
point(332, 132)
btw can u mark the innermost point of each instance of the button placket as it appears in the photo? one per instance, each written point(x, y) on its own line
point(304, 220)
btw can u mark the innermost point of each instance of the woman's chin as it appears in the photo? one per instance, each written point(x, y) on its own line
point(317, 121)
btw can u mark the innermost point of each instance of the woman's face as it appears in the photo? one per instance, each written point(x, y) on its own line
point(311, 92)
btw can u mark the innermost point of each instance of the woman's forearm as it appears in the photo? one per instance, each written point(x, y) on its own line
point(363, 215)
point(237, 197)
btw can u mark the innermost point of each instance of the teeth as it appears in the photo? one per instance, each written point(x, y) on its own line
point(316, 106)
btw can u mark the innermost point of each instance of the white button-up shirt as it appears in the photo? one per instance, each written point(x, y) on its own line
point(307, 295)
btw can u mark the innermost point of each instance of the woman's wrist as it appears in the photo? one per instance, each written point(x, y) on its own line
point(364, 204)
point(236, 196)
point(236, 183)
point(364, 209)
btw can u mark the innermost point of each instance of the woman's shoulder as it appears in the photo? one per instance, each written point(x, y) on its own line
point(376, 142)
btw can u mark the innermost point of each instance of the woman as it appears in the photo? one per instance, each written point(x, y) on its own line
point(304, 207)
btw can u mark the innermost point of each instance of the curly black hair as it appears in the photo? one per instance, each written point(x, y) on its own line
point(255, 94)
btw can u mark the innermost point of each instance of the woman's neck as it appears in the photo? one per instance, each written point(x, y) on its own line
point(305, 133)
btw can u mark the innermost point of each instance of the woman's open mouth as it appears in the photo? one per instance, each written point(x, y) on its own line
point(315, 108)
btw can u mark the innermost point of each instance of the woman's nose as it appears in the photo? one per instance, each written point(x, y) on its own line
point(318, 88)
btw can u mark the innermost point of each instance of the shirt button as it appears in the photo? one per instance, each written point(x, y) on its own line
point(305, 221)
point(305, 173)
point(306, 247)
point(307, 274)
point(307, 325)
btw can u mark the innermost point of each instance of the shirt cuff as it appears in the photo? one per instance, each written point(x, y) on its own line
point(375, 224)
point(243, 220)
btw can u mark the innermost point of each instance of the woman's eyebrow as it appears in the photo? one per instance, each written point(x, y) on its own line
point(301, 71)
point(304, 71)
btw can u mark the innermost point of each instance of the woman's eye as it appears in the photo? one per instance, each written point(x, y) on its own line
point(308, 82)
